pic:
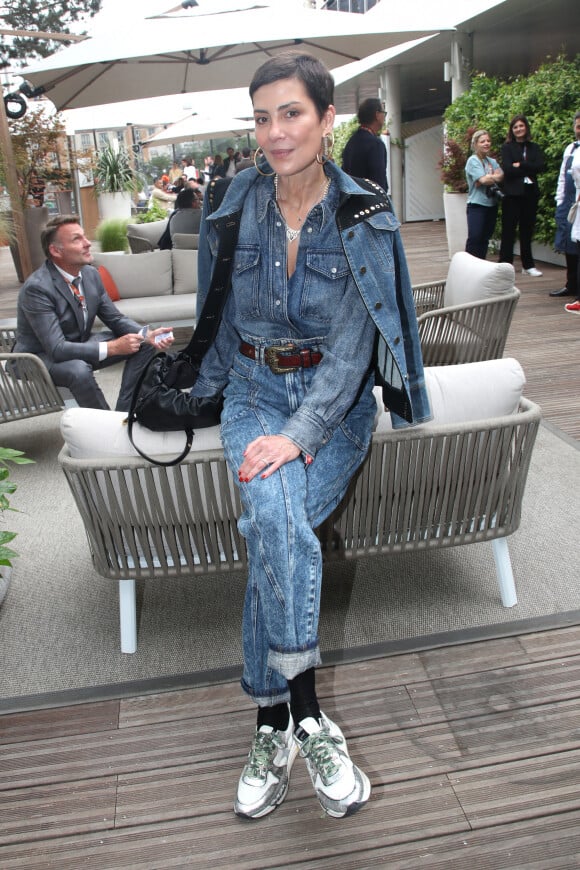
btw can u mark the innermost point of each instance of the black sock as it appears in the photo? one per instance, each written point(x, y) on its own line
point(277, 717)
point(303, 700)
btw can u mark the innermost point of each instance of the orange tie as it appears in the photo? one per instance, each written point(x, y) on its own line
point(74, 286)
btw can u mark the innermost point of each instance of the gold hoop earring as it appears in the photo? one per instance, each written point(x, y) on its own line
point(258, 155)
point(327, 148)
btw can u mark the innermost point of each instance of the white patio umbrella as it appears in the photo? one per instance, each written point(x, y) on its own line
point(200, 52)
point(193, 127)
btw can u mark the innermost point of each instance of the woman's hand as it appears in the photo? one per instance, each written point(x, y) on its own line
point(265, 455)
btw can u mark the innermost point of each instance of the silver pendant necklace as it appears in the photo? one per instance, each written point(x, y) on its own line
point(291, 234)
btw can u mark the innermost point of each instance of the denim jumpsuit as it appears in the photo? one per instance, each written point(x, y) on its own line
point(327, 410)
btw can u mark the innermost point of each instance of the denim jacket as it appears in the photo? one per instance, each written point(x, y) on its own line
point(345, 272)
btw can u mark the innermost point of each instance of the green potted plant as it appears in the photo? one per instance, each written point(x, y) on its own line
point(112, 235)
point(154, 213)
point(115, 182)
point(7, 488)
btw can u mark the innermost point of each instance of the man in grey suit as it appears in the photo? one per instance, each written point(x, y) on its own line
point(57, 306)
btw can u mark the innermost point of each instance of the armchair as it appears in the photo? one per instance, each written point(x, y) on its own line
point(467, 317)
point(26, 388)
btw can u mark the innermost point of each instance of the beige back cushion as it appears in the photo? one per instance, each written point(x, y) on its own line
point(184, 271)
point(468, 392)
point(151, 231)
point(471, 279)
point(136, 275)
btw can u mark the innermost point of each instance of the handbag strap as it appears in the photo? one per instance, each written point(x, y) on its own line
point(221, 279)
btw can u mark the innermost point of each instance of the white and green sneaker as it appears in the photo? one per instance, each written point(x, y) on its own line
point(264, 780)
point(341, 787)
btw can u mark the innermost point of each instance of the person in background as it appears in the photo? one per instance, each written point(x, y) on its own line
point(522, 161)
point(574, 307)
point(185, 218)
point(230, 163)
point(483, 174)
point(320, 309)
point(189, 168)
point(208, 166)
point(219, 169)
point(57, 308)
point(365, 155)
point(177, 185)
point(174, 173)
point(246, 161)
point(161, 196)
point(565, 196)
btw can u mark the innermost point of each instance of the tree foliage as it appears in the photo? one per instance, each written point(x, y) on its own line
point(50, 16)
point(548, 97)
point(37, 142)
point(342, 134)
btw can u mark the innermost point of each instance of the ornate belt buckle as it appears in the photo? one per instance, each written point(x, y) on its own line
point(271, 358)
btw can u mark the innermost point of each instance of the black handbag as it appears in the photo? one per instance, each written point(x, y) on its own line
point(158, 402)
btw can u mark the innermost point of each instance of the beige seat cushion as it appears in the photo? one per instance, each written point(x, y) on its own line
point(474, 391)
point(161, 310)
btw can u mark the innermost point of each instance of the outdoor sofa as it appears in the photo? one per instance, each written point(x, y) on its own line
point(458, 479)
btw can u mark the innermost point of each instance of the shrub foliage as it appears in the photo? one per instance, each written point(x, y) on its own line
point(548, 97)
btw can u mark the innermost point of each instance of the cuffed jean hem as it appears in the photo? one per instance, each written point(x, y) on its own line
point(290, 664)
point(276, 697)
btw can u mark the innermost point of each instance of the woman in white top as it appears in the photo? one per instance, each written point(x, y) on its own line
point(574, 307)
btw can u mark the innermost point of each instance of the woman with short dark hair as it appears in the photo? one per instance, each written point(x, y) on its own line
point(320, 308)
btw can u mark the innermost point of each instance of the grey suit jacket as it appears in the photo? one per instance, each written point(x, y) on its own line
point(50, 319)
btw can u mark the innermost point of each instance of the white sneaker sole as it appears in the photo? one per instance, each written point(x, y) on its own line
point(363, 794)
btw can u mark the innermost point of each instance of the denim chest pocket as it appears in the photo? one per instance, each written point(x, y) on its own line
point(325, 281)
point(246, 278)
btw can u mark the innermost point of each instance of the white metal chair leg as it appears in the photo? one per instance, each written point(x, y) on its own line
point(128, 616)
point(505, 576)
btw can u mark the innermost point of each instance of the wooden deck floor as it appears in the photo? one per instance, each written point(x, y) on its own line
point(473, 751)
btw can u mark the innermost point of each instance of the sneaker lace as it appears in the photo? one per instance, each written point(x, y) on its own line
point(264, 747)
point(321, 750)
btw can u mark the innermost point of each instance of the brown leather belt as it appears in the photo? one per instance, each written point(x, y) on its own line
point(283, 358)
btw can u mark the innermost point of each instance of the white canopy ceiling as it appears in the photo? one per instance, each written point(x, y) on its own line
point(171, 55)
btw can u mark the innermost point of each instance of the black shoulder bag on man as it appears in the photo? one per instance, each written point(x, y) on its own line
point(158, 402)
